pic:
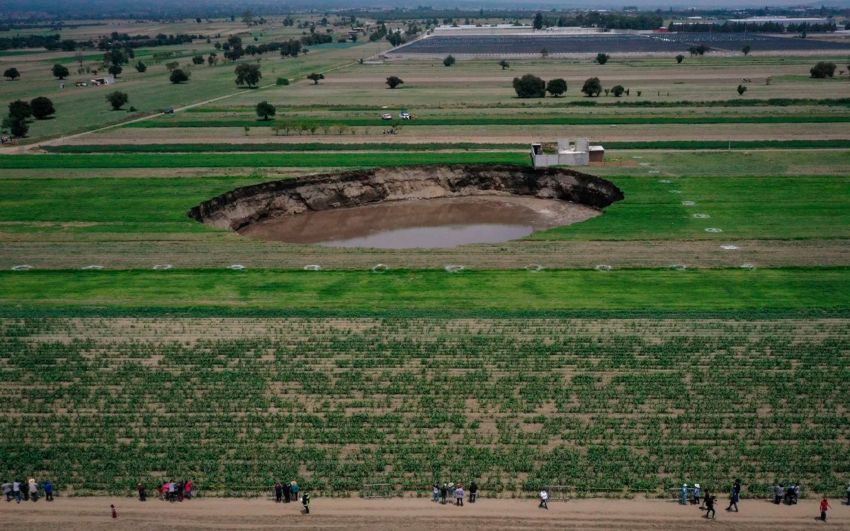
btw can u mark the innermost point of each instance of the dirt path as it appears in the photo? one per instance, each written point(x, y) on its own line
point(409, 513)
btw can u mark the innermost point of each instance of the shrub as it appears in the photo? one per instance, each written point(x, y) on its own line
point(556, 87)
point(592, 87)
point(179, 76)
point(617, 90)
point(282, 82)
point(741, 90)
point(529, 86)
point(822, 70)
point(449, 60)
point(394, 81)
point(117, 99)
point(602, 58)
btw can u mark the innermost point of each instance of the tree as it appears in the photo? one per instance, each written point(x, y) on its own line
point(265, 110)
point(537, 22)
point(42, 107)
point(315, 78)
point(529, 86)
point(60, 71)
point(504, 64)
point(248, 74)
point(746, 49)
point(741, 90)
point(394, 81)
point(679, 59)
point(20, 109)
point(449, 60)
point(17, 126)
point(115, 70)
point(592, 87)
point(117, 99)
point(179, 76)
point(602, 58)
point(556, 87)
point(822, 70)
point(198, 59)
point(617, 90)
point(12, 73)
point(141, 67)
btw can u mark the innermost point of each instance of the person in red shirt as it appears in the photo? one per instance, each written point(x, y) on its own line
point(824, 507)
point(188, 488)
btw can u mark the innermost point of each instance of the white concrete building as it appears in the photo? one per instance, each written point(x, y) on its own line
point(570, 152)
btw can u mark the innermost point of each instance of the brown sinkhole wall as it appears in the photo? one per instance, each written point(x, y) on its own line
point(241, 207)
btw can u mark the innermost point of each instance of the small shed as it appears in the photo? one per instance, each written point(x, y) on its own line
point(569, 152)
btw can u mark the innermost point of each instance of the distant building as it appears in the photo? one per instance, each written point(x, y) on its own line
point(577, 152)
point(785, 21)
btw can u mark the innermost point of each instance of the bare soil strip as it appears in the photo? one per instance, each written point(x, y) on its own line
point(409, 513)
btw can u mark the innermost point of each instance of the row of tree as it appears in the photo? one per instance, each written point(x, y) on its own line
point(531, 86)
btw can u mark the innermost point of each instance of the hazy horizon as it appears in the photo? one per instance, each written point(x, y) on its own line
point(115, 8)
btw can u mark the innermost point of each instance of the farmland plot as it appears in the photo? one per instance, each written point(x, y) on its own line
point(621, 404)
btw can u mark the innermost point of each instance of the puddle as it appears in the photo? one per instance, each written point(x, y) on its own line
point(425, 224)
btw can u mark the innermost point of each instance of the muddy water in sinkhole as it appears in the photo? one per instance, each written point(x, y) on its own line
point(423, 223)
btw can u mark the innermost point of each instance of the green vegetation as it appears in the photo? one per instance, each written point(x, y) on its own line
point(467, 292)
point(519, 120)
point(145, 160)
point(461, 146)
point(626, 405)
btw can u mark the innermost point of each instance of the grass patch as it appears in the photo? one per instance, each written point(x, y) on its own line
point(433, 290)
point(505, 120)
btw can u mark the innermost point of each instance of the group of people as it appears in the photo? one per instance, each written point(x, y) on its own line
point(288, 492)
point(456, 492)
point(790, 494)
point(27, 491)
point(706, 500)
point(169, 490)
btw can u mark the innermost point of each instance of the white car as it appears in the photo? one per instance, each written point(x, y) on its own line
point(404, 115)
point(386, 116)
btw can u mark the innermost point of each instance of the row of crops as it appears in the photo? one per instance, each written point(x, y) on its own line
point(98, 404)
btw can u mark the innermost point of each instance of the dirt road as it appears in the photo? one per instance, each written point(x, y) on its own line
point(409, 514)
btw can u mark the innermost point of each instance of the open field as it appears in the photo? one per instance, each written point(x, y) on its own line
point(696, 330)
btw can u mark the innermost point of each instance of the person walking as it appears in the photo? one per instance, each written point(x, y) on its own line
point(114, 511)
point(7, 491)
point(696, 494)
point(778, 493)
point(459, 496)
point(824, 507)
point(187, 488)
point(48, 491)
point(287, 492)
point(795, 494)
point(709, 505)
point(278, 492)
point(140, 487)
point(683, 494)
point(16, 490)
point(435, 493)
point(179, 489)
point(305, 501)
point(33, 488)
point(735, 495)
point(293, 489)
point(444, 492)
point(544, 499)
point(848, 494)
point(172, 491)
point(473, 492)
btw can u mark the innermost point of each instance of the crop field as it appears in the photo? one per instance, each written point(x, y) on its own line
point(496, 45)
point(696, 330)
point(609, 404)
